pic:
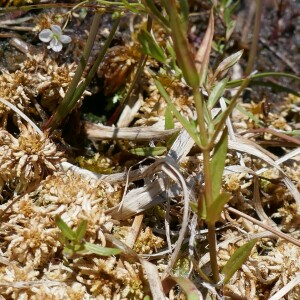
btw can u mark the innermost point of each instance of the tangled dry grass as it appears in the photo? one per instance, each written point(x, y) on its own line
point(36, 186)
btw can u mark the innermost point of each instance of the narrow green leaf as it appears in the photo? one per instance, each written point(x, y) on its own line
point(170, 49)
point(184, 11)
point(65, 229)
point(276, 87)
point(149, 151)
point(217, 163)
point(185, 123)
point(216, 93)
point(238, 82)
point(173, 63)
point(150, 46)
point(228, 62)
point(292, 132)
point(181, 47)
point(169, 122)
point(103, 251)
point(230, 26)
point(214, 211)
point(62, 239)
point(237, 259)
point(186, 285)
point(249, 114)
point(130, 7)
point(81, 230)
point(155, 12)
point(74, 92)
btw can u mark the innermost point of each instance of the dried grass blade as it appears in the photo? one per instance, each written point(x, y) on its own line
point(287, 288)
point(258, 206)
point(252, 148)
point(150, 269)
point(277, 133)
point(138, 200)
point(22, 115)
point(202, 56)
point(100, 132)
point(275, 231)
point(153, 279)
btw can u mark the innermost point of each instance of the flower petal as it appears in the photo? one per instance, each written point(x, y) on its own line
point(46, 35)
point(55, 45)
point(56, 30)
point(65, 39)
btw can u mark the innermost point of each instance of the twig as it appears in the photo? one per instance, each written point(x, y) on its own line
point(288, 287)
point(266, 227)
point(134, 230)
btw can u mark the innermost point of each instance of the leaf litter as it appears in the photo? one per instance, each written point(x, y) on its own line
point(37, 184)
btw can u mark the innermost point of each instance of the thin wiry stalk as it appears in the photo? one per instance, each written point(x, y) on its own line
point(62, 110)
point(255, 39)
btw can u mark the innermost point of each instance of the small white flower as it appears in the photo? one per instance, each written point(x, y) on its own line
point(55, 37)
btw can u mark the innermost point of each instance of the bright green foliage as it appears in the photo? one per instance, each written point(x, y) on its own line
point(228, 7)
point(169, 122)
point(214, 211)
point(189, 126)
point(74, 242)
point(103, 251)
point(217, 164)
point(216, 93)
point(237, 259)
point(149, 151)
point(181, 47)
point(150, 47)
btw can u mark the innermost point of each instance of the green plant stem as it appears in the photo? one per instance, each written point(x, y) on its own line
point(211, 227)
point(255, 39)
point(140, 67)
point(200, 117)
point(92, 72)
point(64, 107)
point(235, 83)
point(208, 181)
point(231, 106)
point(213, 252)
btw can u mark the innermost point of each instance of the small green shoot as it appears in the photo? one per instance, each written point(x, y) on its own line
point(150, 46)
point(149, 151)
point(216, 93)
point(169, 122)
point(74, 242)
point(237, 259)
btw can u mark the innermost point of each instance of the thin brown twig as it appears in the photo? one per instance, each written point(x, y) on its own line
point(265, 226)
